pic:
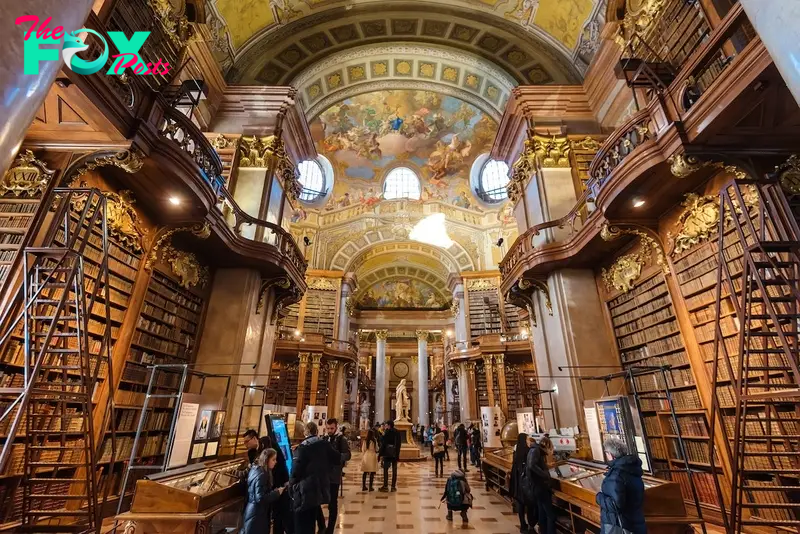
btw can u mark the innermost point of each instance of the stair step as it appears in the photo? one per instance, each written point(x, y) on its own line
point(773, 246)
point(51, 317)
point(769, 395)
point(773, 453)
point(776, 263)
point(57, 496)
point(771, 522)
point(63, 351)
point(59, 479)
point(57, 464)
point(771, 488)
point(58, 513)
point(11, 391)
point(782, 472)
point(778, 315)
point(55, 529)
point(62, 368)
point(772, 505)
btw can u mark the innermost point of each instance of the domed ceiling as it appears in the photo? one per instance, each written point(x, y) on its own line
point(536, 41)
point(437, 136)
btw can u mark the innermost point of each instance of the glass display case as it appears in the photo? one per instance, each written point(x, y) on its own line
point(496, 467)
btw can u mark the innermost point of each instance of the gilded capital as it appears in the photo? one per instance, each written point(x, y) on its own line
point(381, 334)
point(470, 367)
point(415, 358)
point(388, 360)
point(487, 360)
point(552, 151)
point(315, 360)
point(304, 358)
point(423, 335)
point(333, 364)
point(500, 360)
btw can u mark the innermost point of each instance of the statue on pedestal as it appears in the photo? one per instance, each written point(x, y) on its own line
point(402, 404)
point(364, 415)
point(438, 410)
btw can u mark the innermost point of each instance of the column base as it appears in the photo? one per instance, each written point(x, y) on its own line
point(409, 450)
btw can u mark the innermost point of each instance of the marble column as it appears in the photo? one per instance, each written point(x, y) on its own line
point(487, 367)
point(333, 389)
point(460, 319)
point(778, 24)
point(450, 399)
point(348, 289)
point(473, 413)
point(381, 378)
point(315, 364)
point(422, 373)
point(21, 93)
point(500, 367)
point(302, 370)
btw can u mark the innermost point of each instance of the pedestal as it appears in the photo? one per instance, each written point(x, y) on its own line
point(409, 451)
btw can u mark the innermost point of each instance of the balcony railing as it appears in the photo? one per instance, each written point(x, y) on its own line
point(176, 127)
point(619, 146)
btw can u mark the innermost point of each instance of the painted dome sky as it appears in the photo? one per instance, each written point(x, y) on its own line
point(438, 136)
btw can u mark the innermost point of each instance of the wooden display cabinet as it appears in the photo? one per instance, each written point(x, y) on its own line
point(576, 484)
point(496, 466)
point(199, 498)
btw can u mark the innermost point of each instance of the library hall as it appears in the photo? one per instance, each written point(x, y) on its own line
point(388, 266)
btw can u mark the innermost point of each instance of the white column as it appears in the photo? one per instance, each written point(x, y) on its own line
point(381, 412)
point(460, 329)
point(449, 398)
point(778, 24)
point(348, 289)
point(422, 374)
point(465, 396)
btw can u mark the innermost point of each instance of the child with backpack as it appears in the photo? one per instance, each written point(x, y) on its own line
point(458, 496)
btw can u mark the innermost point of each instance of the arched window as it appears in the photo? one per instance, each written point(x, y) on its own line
point(493, 181)
point(312, 178)
point(401, 182)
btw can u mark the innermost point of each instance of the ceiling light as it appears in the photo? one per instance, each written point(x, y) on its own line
point(175, 201)
point(638, 202)
point(449, 333)
point(297, 332)
point(432, 231)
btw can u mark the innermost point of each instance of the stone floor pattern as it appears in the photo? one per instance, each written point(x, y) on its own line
point(413, 508)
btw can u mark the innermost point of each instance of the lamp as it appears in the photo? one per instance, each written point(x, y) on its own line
point(432, 231)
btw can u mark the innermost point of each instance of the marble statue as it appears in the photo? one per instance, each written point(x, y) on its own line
point(438, 409)
point(402, 404)
point(364, 415)
point(305, 415)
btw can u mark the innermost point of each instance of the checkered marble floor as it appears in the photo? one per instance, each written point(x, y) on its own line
point(413, 508)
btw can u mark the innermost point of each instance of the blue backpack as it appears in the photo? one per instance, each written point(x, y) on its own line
point(454, 491)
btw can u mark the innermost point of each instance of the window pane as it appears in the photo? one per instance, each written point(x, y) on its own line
point(401, 182)
point(312, 180)
point(494, 179)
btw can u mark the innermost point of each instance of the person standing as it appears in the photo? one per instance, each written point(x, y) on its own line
point(621, 496)
point(252, 444)
point(282, 509)
point(260, 494)
point(310, 484)
point(437, 445)
point(369, 461)
point(476, 445)
point(460, 438)
point(538, 474)
point(446, 442)
point(339, 443)
point(390, 453)
point(521, 489)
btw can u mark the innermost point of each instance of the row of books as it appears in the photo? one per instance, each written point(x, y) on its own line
point(651, 425)
point(181, 320)
point(135, 373)
point(154, 445)
point(14, 222)
point(175, 294)
point(151, 342)
point(11, 239)
point(686, 399)
point(655, 381)
point(72, 421)
point(728, 325)
point(640, 312)
point(8, 255)
point(114, 281)
point(157, 327)
point(19, 207)
point(124, 445)
point(649, 334)
point(697, 451)
point(114, 265)
point(643, 293)
point(703, 482)
point(136, 398)
point(148, 358)
point(689, 425)
point(786, 426)
point(769, 497)
point(709, 313)
point(114, 247)
point(645, 321)
point(776, 460)
point(128, 420)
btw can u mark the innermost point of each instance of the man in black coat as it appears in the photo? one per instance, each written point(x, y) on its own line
point(460, 438)
point(310, 481)
point(390, 453)
point(538, 474)
point(339, 443)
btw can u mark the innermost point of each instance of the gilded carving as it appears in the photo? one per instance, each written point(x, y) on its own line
point(27, 177)
point(423, 335)
point(789, 175)
point(199, 230)
point(454, 307)
point(130, 161)
point(281, 282)
point(639, 16)
point(521, 170)
point(382, 334)
point(538, 285)
point(176, 26)
point(186, 267)
point(121, 217)
point(681, 165)
point(220, 142)
point(324, 284)
point(649, 244)
point(552, 151)
point(349, 305)
point(623, 273)
point(270, 152)
point(698, 221)
point(587, 143)
point(478, 284)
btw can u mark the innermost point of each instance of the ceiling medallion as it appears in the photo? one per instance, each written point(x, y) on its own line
point(28, 177)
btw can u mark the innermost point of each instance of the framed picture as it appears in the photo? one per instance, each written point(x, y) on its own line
point(198, 450)
point(202, 427)
point(216, 426)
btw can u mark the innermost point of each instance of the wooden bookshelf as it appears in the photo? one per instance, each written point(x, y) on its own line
point(647, 334)
point(16, 216)
point(320, 312)
point(484, 312)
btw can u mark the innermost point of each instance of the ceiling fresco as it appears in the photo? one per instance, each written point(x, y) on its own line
point(402, 293)
point(272, 42)
point(437, 136)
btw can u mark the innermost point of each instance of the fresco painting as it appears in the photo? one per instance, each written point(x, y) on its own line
point(436, 135)
point(401, 293)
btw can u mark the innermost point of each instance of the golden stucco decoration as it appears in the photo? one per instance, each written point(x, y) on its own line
point(199, 230)
point(639, 17)
point(454, 307)
point(130, 161)
point(186, 267)
point(552, 151)
point(538, 285)
point(681, 165)
point(27, 177)
point(588, 144)
point(350, 306)
point(522, 169)
point(480, 284)
point(323, 284)
point(696, 223)
point(270, 152)
point(175, 25)
point(220, 142)
point(121, 217)
point(650, 245)
point(789, 175)
point(624, 272)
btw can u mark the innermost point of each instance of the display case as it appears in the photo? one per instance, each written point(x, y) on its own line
point(496, 466)
point(576, 484)
point(196, 498)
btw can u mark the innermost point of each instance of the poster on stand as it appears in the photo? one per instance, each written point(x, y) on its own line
point(184, 430)
point(216, 426)
point(202, 426)
point(318, 414)
point(491, 426)
point(291, 420)
point(593, 428)
point(526, 421)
